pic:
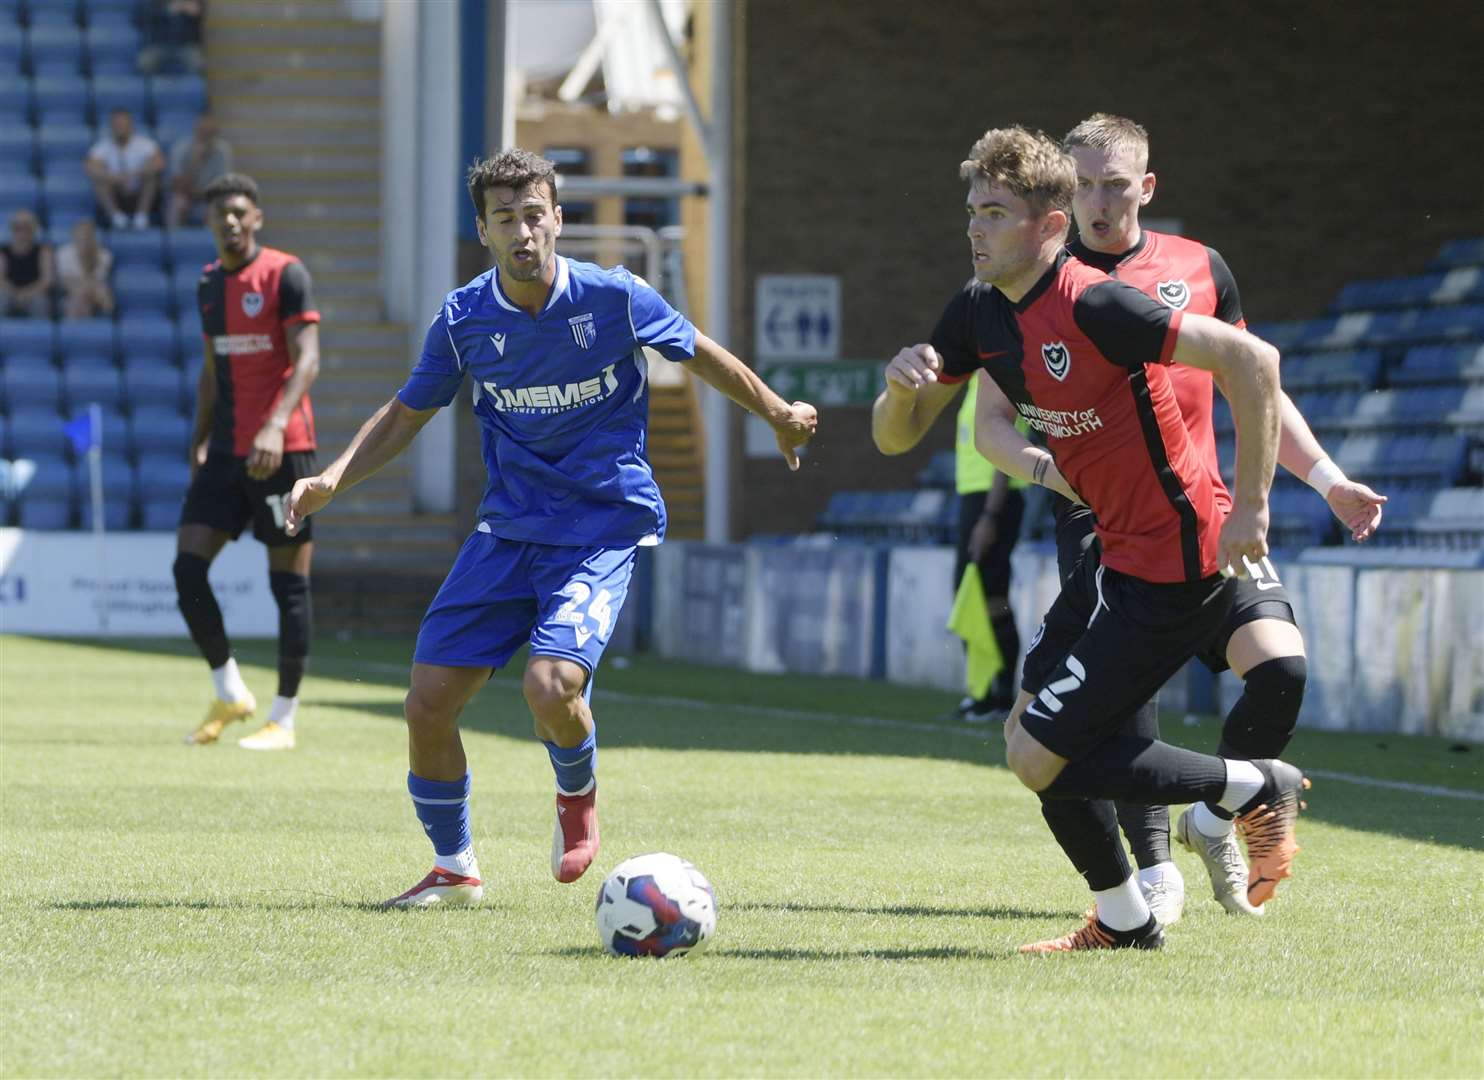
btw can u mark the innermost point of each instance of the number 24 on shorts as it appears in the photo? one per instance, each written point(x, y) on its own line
point(598, 611)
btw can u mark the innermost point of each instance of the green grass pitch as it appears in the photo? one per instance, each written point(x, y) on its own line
point(170, 911)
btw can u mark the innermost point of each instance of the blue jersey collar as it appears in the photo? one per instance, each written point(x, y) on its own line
point(558, 289)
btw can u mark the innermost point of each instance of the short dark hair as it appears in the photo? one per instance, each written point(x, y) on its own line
point(514, 168)
point(229, 184)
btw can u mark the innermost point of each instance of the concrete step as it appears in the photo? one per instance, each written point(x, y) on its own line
point(249, 133)
point(292, 83)
point(269, 160)
point(275, 26)
point(229, 59)
point(346, 310)
point(264, 10)
point(324, 260)
point(317, 185)
point(301, 234)
point(375, 337)
point(361, 212)
point(232, 108)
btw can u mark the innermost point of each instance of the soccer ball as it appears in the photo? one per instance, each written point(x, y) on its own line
point(655, 905)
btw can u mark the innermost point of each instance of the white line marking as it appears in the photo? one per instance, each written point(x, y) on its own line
point(980, 733)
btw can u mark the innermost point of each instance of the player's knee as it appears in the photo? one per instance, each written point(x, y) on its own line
point(1028, 760)
point(291, 592)
point(1276, 690)
point(190, 579)
point(551, 687)
point(427, 713)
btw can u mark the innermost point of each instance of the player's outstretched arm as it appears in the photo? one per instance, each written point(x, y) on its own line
point(1357, 506)
point(1009, 451)
point(1246, 368)
point(912, 400)
point(793, 424)
point(381, 438)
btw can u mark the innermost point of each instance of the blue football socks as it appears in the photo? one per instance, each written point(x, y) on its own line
point(443, 808)
point(574, 765)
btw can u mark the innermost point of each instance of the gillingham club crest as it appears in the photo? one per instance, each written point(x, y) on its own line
point(1058, 360)
point(252, 304)
point(584, 330)
point(1173, 294)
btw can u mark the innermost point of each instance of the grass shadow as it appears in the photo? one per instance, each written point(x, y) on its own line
point(908, 910)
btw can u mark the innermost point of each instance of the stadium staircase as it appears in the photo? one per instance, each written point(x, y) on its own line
point(297, 88)
point(675, 451)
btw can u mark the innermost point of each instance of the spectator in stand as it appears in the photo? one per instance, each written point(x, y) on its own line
point(195, 161)
point(83, 265)
point(172, 36)
point(125, 169)
point(25, 269)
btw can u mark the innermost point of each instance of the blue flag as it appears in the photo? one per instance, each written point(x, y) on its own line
point(84, 432)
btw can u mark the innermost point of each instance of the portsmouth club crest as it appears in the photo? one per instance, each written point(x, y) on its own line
point(1058, 360)
point(252, 304)
point(584, 330)
point(1173, 294)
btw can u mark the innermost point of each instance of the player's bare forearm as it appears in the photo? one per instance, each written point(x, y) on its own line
point(914, 397)
point(1298, 449)
point(719, 369)
point(303, 346)
point(1246, 369)
point(205, 401)
point(389, 431)
point(1006, 447)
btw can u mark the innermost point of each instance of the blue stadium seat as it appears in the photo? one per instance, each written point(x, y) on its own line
point(4, 440)
point(38, 507)
point(20, 190)
point(171, 127)
point(1388, 293)
point(192, 349)
point(57, 95)
point(1464, 252)
point(115, 433)
point(118, 476)
point(41, 13)
point(121, 92)
point(137, 248)
point(152, 385)
point(38, 432)
point(86, 384)
point(12, 43)
point(1469, 414)
point(67, 194)
point(179, 93)
point(64, 146)
point(1427, 364)
point(118, 515)
point(142, 291)
point(190, 249)
point(159, 515)
point(1455, 518)
point(17, 141)
point(148, 336)
point(30, 338)
point(163, 476)
point(31, 386)
point(1298, 518)
point(56, 43)
point(112, 47)
point(98, 10)
point(1454, 321)
point(1358, 369)
point(160, 431)
point(91, 336)
point(1461, 285)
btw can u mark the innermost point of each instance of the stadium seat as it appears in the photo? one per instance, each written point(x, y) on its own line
point(160, 515)
point(1355, 370)
point(184, 281)
point(179, 93)
point(105, 10)
point(43, 512)
point(144, 248)
point(190, 249)
point(112, 46)
point(151, 336)
point(1388, 293)
point(63, 146)
point(118, 477)
point(61, 99)
point(163, 476)
point(17, 142)
point(171, 127)
point(38, 432)
point(152, 385)
point(1462, 284)
point(56, 43)
point(67, 194)
point(12, 45)
point(121, 92)
point(1463, 252)
point(4, 439)
point(143, 291)
point(91, 336)
point(939, 471)
point(21, 189)
point(51, 14)
point(30, 338)
point(31, 386)
point(192, 348)
point(89, 383)
point(1454, 321)
point(1455, 518)
point(1427, 364)
point(160, 431)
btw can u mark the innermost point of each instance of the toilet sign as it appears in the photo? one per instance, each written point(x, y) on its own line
point(797, 317)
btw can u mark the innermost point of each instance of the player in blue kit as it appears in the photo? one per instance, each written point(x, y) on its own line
point(552, 350)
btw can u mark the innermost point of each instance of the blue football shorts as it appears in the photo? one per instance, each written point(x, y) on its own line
point(501, 594)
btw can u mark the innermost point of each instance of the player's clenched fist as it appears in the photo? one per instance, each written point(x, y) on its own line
point(1244, 538)
point(310, 495)
point(794, 432)
point(911, 369)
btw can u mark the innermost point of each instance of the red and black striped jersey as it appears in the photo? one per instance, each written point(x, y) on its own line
point(244, 313)
point(1184, 276)
point(1085, 361)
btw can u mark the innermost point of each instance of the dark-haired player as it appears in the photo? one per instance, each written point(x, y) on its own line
point(254, 437)
point(1084, 360)
point(553, 353)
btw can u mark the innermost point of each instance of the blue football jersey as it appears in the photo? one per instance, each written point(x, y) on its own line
point(562, 400)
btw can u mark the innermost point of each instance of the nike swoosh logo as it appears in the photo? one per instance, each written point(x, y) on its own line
point(1264, 586)
point(991, 355)
point(440, 880)
point(1031, 708)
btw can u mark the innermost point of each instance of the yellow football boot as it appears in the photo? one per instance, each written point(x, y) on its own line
point(271, 736)
point(219, 716)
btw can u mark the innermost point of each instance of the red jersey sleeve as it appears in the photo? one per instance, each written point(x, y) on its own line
point(1128, 327)
point(296, 295)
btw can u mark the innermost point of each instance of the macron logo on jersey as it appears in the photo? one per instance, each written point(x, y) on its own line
point(499, 342)
point(553, 397)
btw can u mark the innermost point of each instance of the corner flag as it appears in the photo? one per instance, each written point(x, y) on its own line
point(970, 621)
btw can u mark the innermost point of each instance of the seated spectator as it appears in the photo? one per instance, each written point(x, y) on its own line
point(83, 265)
point(195, 161)
point(172, 36)
point(25, 269)
point(125, 168)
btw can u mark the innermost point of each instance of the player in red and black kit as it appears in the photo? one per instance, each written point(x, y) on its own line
point(1085, 361)
point(254, 437)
